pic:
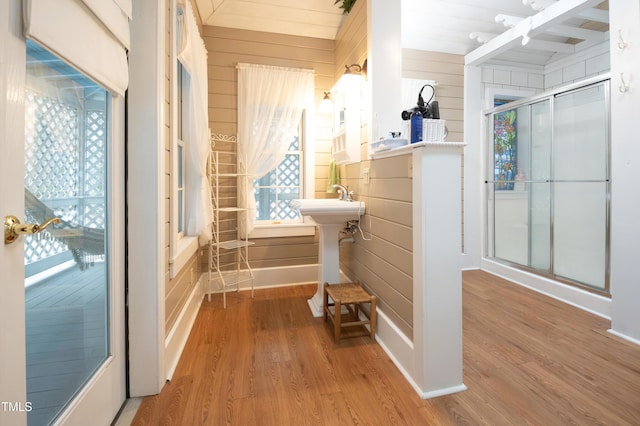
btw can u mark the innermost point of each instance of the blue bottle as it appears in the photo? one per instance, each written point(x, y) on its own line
point(416, 127)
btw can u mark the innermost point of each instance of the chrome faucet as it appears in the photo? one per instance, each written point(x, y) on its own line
point(343, 192)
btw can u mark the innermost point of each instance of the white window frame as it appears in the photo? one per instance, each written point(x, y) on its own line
point(182, 246)
point(304, 227)
point(180, 187)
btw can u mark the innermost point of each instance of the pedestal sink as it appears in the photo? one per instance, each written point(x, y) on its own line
point(331, 215)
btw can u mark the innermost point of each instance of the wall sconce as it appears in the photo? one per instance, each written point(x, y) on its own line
point(326, 105)
point(352, 78)
point(356, 69)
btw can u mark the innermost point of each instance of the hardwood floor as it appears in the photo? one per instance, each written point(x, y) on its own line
point(528, 359)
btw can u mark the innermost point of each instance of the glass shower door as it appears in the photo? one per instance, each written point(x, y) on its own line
point(549, 197)
point(510, 198)
point(522, 173)
point(580, 172)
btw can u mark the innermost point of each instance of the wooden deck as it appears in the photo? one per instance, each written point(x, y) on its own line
point(65, 333)
point(528, 359)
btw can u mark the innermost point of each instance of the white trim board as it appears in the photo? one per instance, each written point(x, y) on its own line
point(401, 351)
point(176, 339)
point(574, 296)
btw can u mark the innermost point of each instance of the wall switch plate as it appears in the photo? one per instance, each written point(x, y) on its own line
point(366, 176)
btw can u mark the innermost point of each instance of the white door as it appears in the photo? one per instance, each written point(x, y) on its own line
point(62, 356)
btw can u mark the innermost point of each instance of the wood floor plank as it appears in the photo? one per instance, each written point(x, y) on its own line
point(528, 359)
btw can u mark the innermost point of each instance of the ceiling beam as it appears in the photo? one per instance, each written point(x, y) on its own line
point(597, 15)
point(547, 46)
point(482, 37)
point(508, 20)
point(551, 46)
point(529, 27)
point(577, 32)
point(538, 5)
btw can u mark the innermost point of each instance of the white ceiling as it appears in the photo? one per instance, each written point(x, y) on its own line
point(432, 25)
point(310, 18)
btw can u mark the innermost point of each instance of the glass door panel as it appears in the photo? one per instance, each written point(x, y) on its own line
point(511, 226)
point(539, 186)
point(521, 164)
point(510, 201)
point(580, 170)
point(66, 279)
point(581, 135)
point(540, 226)
point(579, 232)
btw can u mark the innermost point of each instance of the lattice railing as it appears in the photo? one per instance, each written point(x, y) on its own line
point(65, 168)
point(274, 191)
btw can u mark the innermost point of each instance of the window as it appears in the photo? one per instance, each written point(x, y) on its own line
point(505, 144)
point(183, 81)
point(276, 189)
point(184, 143)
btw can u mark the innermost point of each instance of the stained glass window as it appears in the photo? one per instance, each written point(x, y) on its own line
point(505, 149)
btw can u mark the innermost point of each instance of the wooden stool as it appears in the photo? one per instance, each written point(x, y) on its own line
point(350, 295)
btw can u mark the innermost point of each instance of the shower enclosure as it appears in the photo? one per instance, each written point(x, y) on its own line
point(548, 184)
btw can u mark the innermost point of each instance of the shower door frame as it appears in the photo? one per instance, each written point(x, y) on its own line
point(489, 195)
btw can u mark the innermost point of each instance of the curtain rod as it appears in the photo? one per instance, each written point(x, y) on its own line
point(241, 65)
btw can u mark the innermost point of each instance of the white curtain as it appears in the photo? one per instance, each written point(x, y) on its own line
point(90, 35)
point(192, 53)
point(270, 104)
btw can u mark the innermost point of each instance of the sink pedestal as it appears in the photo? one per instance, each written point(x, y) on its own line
point(328, 264)
point(330, 215)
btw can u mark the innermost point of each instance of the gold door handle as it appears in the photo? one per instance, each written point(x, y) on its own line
point(13, 228)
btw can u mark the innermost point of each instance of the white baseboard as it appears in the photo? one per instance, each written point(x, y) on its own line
point(401, 351)
point(574, 296)
point(443, 392)
point(624, 336)
point(177, 337)
point(397, 346)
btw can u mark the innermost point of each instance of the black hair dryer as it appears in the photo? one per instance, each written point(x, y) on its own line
point(428, 109)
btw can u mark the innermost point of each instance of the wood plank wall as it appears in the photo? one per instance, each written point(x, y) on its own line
point(226, 48)
point(351, 40)
point(383, 264)
point(447, 71)
point(383, 260)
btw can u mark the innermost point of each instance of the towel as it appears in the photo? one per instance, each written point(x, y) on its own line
point(334, 175)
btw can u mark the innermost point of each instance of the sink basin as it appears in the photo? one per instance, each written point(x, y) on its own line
point(331, 216)
point(329, 210)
